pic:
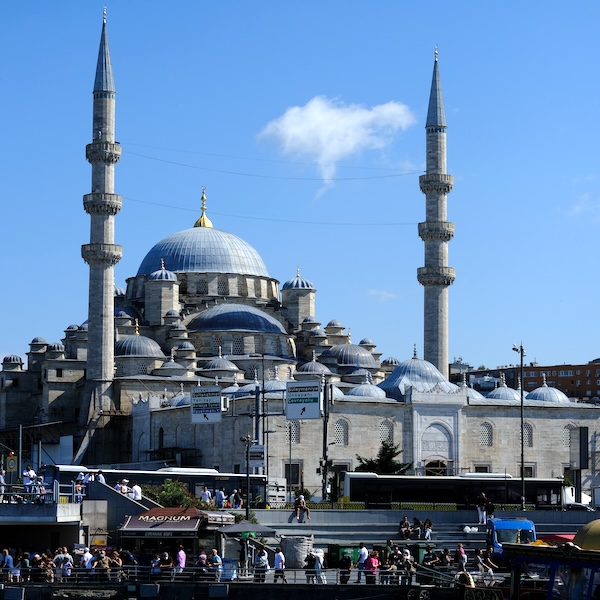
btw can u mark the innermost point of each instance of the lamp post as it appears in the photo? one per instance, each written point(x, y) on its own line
point(521, 351)
point(248, 441)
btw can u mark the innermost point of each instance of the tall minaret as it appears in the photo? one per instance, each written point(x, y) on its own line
point(101, 254)
point(436, 232)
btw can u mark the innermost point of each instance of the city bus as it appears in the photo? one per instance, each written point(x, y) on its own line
point(459, 491)
point(193, 479)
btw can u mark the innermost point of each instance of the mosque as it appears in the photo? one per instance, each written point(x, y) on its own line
point(203, 310)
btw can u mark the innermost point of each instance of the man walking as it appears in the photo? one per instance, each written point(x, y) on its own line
point(363, 554)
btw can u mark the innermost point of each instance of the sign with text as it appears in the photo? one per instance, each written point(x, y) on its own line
point(303, 400)
point(205, 403)
point(256, 456)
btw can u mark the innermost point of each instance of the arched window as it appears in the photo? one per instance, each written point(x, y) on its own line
point(340, 432)
point(527, 435)
point(386, 432)
point(486, 435)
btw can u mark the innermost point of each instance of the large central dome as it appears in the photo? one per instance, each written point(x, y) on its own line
point(204, 250)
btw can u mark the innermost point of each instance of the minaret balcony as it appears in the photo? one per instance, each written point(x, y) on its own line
point(436, 183)
point(101, 203)
point(103, 152)
point(101, 254)
point(441, 231)
point(443, 276)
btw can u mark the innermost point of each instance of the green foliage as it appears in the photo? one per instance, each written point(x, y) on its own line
point(172, 493)
point(304, 492)
point(385, 463)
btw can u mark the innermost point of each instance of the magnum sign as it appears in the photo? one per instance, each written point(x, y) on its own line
point(205, 403)
point(303, 400)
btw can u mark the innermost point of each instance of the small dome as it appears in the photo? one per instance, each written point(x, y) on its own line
point(72, 328)
point(236, 317)
point(12, 359)
point(351, 355)
point(38, 341)
point(181, 401)
point(366, 342)
point(122, 315)
point(129, 311)
point(119, 291)
point(314, 367)
point(503, 392)
point(186, 345)
point(309, 319)
point(334, 323)
point(162, 275)
point(178, 327)
point(317, 333)
point(390, 361)
point(418, 374)
point(84, 326)
point(171, 364)
point(172, 313)
point(366, 390)
point(56, 347)
point(275, 385)
point(472, 393)
point(219, 364)
point(298, 283)
point(231, 390)
point(547, 394)
point(137, 345)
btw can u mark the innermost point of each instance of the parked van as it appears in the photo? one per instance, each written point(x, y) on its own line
point(514, 531)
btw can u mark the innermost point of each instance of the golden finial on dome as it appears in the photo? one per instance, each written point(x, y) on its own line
point(349, 337)
point(203, 221)
point(137, 327)
point(162, 264)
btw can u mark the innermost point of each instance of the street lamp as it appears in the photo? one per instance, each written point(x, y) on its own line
point(247, 441)
point(521, 351)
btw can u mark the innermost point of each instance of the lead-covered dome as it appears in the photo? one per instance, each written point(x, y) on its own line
point(298, 283)
point(351, 355)
point(204, 250)
point(236, 317)
point(545, 393)
point(137, 345)
point(418, 374)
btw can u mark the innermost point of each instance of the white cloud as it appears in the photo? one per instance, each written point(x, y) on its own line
point(383, 295)
point(328, 131)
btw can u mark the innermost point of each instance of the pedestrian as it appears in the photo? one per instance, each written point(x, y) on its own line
point(279, 565)
point(206, 495)
point(261, 566)
point(136, 491)
point(100, 477)
point(181, 558)
point(220, 498)
point(29, 478)
point(371, 567)
point(216, 565)
point(2, 484)
point(482, 503)
point(460, 557)
point(345, 567)
point(363, 554)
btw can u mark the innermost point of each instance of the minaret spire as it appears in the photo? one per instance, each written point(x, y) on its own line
point(436, 276)
point(101, 254)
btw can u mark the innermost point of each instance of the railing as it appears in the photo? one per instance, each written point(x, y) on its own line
point(440, 577)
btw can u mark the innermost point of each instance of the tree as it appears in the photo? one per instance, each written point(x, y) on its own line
point(172, 493)
point(385, 463)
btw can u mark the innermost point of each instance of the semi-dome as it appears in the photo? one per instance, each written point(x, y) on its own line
point(204, 250)
point(418, 374)
point(137, 345)
point(236, 317)
point(351, 355)
point(547, 394)
point(298, 283)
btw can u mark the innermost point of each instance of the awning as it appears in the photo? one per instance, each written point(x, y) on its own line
point(174, 522)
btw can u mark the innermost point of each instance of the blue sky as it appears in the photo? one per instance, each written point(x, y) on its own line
point(305, 122)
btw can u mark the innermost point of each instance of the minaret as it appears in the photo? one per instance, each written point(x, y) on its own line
point(101, 254)
point(436, 232)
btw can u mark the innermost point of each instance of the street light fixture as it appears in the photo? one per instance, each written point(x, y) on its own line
point(521, 351)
